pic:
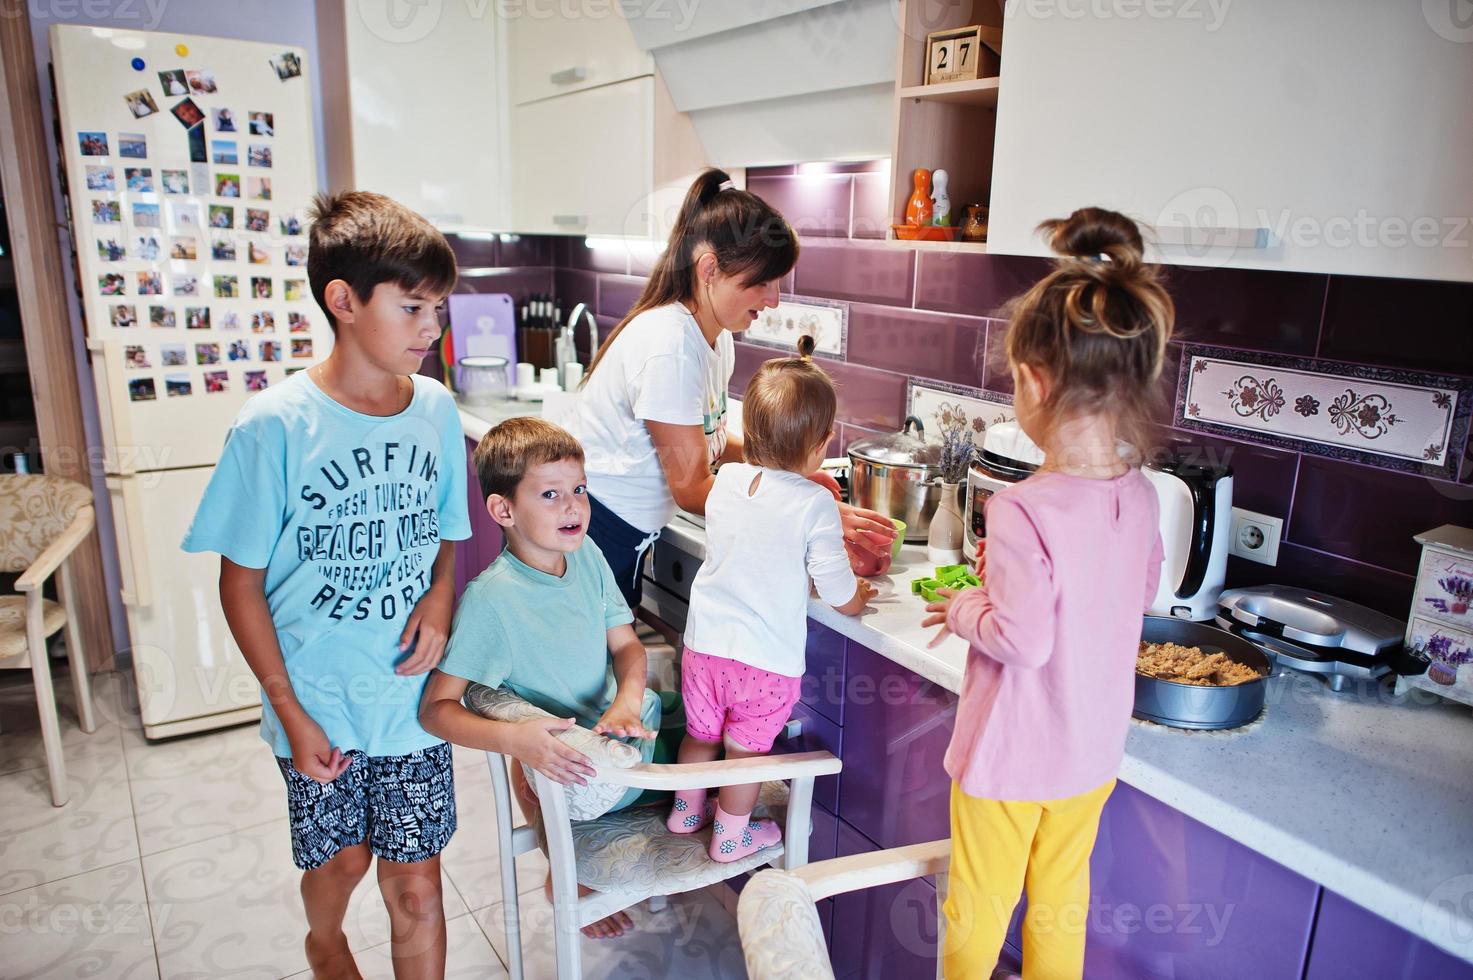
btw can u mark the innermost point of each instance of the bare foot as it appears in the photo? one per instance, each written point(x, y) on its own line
point(330, 959)
point(609, 927)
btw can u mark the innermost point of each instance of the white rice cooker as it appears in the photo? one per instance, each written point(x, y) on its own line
point(1007, 456)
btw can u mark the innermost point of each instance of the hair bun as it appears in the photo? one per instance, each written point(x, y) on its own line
point(1092, 233)
point(806, 345)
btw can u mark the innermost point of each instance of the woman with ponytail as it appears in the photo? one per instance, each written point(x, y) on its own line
point(652, 416)
point(1072, 559)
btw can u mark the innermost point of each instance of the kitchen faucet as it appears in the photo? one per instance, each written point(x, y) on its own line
point(567, 348)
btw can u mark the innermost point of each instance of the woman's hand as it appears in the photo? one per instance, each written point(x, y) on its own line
point(870, 530)
point(535, 742)
point(938, 611)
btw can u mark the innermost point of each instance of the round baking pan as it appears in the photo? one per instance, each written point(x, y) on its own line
point(1192, 705)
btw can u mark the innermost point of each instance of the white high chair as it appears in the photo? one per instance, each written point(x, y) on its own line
point(629, 856)
point(777, 917)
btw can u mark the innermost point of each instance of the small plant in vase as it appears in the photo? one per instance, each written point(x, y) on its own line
point(1446, 659)
point(944, 541)
point(1459, 589)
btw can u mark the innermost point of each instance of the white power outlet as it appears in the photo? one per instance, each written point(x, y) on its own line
point(1255, 536)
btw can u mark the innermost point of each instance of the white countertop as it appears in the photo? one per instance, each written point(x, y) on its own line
point(1368, 794)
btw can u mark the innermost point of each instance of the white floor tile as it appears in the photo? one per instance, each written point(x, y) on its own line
point(468, 956)
point(41, 843)
point(694, 938)
point(90, 925)
point(473, 859)
point(232, 905)
point(201, 786)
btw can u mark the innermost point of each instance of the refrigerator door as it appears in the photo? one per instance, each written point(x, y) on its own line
point(189, 672)
point(189, 168)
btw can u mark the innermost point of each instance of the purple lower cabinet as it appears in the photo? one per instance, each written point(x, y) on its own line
point(897, 725)
point(822, 845)
point(814, 733)
point(881, 933)
point(1353, 944)
point(475, 553)
point(823, 677)
point(1173, 898)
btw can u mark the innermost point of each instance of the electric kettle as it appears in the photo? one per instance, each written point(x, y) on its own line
point(1196, 518)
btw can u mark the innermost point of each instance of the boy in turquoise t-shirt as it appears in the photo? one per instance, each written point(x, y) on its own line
point(546, 620)
point(334, 508)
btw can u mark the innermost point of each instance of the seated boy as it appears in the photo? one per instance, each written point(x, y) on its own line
point(545, 621)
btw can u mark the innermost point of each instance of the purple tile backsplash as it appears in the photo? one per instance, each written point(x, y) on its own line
point(929, 314)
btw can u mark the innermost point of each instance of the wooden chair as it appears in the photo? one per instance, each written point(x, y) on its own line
point(629, 855)
point(782, 938)
point(42, 520)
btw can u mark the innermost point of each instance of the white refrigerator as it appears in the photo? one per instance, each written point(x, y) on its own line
point(189, 167)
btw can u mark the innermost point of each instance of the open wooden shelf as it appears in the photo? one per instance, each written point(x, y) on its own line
point(970, 92)
point(975, 247)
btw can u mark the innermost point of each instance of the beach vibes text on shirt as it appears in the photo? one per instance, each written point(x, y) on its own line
point(372, 529)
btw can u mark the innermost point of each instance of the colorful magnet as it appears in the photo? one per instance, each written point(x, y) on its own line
point(181, 49)
point(138, 64)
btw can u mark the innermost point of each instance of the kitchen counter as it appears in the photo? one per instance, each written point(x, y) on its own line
point(1369, 794)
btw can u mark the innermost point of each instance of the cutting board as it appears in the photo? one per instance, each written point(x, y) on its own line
point(482, 324)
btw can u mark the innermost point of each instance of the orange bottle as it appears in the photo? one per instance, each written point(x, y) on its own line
point(918, 208)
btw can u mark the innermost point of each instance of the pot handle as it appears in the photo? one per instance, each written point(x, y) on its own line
point(912, 420)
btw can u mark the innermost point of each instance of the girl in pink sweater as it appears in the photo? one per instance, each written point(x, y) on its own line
point(1072, 558)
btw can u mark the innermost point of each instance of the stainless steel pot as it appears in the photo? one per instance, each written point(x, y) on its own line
point(898, 475)
point(1193, 706)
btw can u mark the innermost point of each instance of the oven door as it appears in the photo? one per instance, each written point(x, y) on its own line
point(667, 579)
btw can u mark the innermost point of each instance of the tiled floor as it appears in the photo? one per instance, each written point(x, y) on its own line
point(173, 860)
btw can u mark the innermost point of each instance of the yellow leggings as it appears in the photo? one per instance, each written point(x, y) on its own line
point(998, 848)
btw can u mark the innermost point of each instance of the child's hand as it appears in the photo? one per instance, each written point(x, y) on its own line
point(535, 743)
point(312, 754)
point(622, 722)
point(431, 621)
point(867, 591)
point(938, 610)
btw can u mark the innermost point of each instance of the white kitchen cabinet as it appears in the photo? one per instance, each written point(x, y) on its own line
point(1320, 135)
point(416, 107)
point(612, 160)
point(557, 49)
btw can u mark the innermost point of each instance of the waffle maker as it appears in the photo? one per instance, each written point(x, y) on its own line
point(1318, 633)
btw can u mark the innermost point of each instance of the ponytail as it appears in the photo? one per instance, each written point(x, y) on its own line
point(749, 238)
point(1098, 324)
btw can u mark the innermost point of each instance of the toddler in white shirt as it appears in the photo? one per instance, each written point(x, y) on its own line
point(768, 530)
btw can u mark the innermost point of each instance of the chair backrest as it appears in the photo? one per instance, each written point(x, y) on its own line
point(34, 511)
point(781, 934)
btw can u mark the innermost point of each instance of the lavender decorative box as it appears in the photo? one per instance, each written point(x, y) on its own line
point(1441, 621)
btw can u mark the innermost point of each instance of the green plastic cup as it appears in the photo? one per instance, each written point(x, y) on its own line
point(899, 537)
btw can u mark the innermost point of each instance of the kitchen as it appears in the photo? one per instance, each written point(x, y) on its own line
point(1327, 836)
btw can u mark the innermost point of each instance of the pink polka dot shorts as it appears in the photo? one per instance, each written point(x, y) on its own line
point(729, 698)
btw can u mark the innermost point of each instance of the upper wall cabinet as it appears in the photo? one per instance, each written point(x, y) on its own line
point(605, 153)
point(415, 108)
point(1320, 135)
point(554, 49)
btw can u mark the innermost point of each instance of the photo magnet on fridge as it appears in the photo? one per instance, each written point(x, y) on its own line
point(133, 145)
point(174, 355)
point(188, 114)
point(177, 385)
point(198, 148)
point(216, 381)
point(93, 144)
point(141, 390)
point(141, 103)
point(286, 65)
point(174, 82)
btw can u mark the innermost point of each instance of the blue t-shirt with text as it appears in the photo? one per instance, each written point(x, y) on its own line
point(346, 513)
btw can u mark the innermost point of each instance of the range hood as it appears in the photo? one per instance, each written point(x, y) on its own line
point(777, 81)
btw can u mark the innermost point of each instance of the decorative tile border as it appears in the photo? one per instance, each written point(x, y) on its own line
point(1394, 419)
point(827, 320)
point(926, 400)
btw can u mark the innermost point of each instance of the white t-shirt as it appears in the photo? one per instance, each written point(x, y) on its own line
point(749, 601)
point(659, 369)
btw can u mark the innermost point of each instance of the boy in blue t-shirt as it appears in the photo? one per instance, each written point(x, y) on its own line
point(335, 507)
point(547, 621)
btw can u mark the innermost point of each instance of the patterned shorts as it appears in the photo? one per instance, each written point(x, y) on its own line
point(403, 805)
